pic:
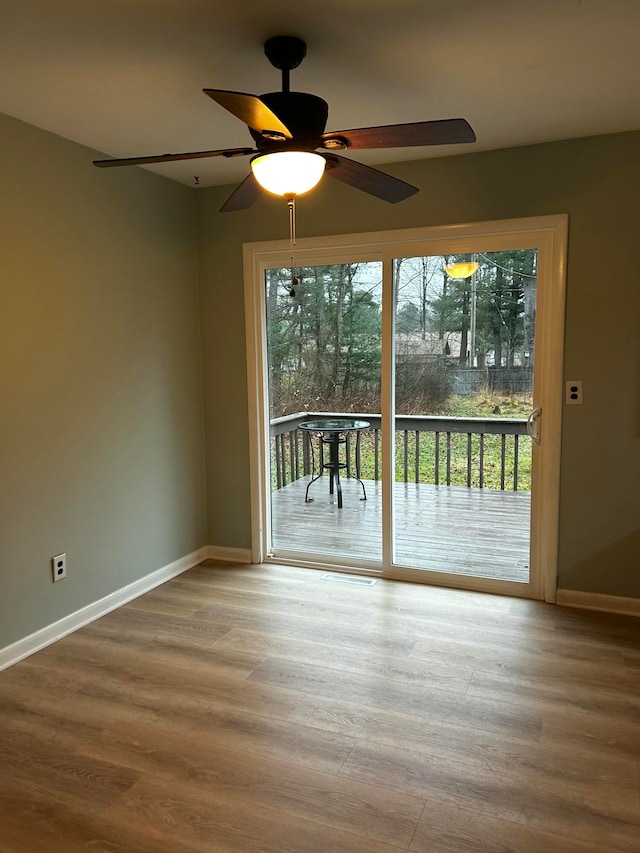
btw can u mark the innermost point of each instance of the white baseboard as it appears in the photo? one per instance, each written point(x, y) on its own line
point(596, 601)
point(229, 555)
point(45, 636)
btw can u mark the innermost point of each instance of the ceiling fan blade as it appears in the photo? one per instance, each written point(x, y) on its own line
point(167, 158)
point(244, 195)
point(251, 110)
point(443, 132)
point(370, 180)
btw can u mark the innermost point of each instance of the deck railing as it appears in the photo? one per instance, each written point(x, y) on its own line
point(476, 452)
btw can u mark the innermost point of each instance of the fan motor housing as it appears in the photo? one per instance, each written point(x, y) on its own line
point(305, 116)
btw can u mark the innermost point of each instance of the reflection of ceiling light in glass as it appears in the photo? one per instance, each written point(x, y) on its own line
point(464, 269)
point(288, 173)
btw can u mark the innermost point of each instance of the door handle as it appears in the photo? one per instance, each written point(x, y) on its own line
point(531, 425)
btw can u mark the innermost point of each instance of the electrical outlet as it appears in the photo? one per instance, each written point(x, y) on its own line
point(573, 393)
point(59, 567)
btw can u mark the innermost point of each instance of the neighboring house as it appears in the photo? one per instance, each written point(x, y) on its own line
point(415, 347)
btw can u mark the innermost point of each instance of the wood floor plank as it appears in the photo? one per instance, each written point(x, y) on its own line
point(415, 700)
point(262, 781)
point(146, 678)
point(512, 636)
point(35, 823)
point(589, 811)
point(448, 741)
point(617, 738)
point(431, 604)
point(331, 608)
point(270, 579)
point(600, 694)
point(450, 829)
point(518, 658)
point(197, 813)
point(145, 626)
point(160, 607)
point(171, 651)
point(359, 659)
point(316, 628)
point(272, 737)
point(71, 780)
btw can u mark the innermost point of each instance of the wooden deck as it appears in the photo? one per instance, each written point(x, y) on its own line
point(451, 529)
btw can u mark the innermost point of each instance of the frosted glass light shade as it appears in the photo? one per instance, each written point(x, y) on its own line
point(288, 172)
point(462, 270)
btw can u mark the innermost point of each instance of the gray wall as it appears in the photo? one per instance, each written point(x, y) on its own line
point(101, 423)
point(596, 182)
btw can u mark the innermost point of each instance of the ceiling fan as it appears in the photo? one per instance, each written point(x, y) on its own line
point(288, 129)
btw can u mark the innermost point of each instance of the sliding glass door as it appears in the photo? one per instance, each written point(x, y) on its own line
point(398, 392)
point(464, 346)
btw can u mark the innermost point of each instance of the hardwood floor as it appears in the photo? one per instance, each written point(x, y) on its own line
point(245, 709)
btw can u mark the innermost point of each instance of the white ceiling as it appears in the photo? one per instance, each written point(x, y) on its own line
point(125, 77)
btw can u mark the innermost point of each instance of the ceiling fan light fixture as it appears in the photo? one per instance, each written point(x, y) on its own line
point(288, 173)
point(288, 128)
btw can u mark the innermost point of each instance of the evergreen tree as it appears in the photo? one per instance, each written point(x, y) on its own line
point(324, 337)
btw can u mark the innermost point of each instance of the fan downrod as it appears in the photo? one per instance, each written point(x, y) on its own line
point(285, 53)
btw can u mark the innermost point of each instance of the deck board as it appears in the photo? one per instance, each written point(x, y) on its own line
point(479, 532)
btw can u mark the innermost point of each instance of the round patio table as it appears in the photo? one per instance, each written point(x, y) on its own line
point(332, 433)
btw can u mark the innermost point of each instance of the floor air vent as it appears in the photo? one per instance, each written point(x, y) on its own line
point(349, 579)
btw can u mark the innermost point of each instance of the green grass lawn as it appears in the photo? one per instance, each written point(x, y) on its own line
point(485, 404)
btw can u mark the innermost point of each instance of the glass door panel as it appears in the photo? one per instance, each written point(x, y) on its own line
point(464, 340)
point(324, 378)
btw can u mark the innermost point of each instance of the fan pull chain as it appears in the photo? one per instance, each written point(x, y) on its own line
point(291, 204)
